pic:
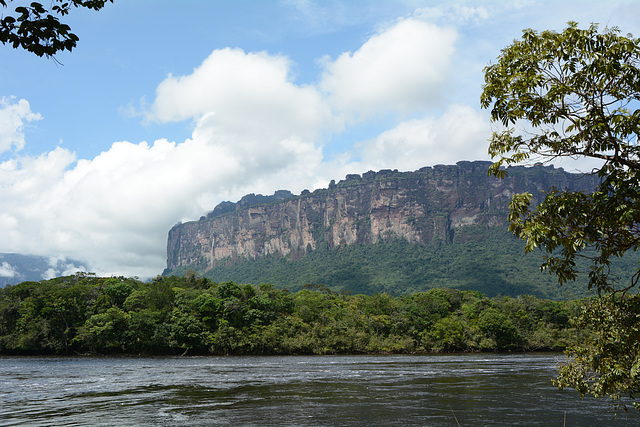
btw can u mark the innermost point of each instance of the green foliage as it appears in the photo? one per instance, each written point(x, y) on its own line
point(497, 326)
point(180, 315)
point(117, 291)
point(609, 365)
point(491, 262)
point(37, 30)
point(104, 331)
point(579, 91)
point(575, 88)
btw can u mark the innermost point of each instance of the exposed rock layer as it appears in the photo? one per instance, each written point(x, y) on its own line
point(423, 207)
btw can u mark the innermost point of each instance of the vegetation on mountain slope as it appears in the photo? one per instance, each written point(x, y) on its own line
point(491, 262)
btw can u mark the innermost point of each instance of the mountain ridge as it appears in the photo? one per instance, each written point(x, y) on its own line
point(430, 207)
point(16, 267)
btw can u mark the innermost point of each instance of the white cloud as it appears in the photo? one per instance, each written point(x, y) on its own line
point(7, 270)
point(461, 133)
point(115, 210)
point(13, 116)
point(245, 94)
point(401, 69)
point(255, 131)
point(60, 266)
point(456, 14)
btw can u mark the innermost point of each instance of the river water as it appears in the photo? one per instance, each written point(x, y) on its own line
point(433, 390)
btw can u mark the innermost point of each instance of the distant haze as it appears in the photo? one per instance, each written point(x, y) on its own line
point(16, 268)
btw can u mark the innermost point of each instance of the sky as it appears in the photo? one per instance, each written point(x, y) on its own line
point(166, 108)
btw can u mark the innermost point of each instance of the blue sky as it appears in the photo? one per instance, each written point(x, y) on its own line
point(166, 108)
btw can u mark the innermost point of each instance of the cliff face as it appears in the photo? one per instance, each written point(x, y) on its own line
point(423, 207)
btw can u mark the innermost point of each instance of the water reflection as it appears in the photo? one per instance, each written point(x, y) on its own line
point(297, 391)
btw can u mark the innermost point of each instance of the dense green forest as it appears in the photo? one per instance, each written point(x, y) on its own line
point(488, 260)
point(83, 314)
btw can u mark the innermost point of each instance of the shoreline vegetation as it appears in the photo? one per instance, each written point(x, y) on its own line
point(88, 315)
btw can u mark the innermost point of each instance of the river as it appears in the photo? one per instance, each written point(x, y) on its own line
point(432, 390)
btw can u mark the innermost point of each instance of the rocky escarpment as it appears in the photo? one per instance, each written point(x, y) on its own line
point(424, 207)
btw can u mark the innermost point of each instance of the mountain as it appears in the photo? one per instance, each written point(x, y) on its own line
point(451, 211)
point(16, 268)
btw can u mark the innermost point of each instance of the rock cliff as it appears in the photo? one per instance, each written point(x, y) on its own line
point(423, 207)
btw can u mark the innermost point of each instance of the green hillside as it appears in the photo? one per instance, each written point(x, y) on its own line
point(488, 260)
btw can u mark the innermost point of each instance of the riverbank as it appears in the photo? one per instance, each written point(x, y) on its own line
point(84, 314)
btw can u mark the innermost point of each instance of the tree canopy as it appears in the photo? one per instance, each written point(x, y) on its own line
point(577, 91)
point(38, 30)
point(194, 315)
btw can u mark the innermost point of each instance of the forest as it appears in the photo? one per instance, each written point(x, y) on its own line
point(492, 262)
point(86, 314)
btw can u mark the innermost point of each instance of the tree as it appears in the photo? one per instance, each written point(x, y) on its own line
point(579, 92)
point(497, 326)
point(609, 365)
point(37, 29)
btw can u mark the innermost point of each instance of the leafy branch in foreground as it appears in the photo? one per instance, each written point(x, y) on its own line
point(610, 364)
point(38, 30)
point(578, 91)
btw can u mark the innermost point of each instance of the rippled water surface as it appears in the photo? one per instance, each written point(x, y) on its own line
point(442, 390)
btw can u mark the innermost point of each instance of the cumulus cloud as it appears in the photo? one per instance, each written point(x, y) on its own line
point(7, 270)
point(404, 68)
point(460, 133)
point(14, 114)
point(115, 210)
point(245, 94)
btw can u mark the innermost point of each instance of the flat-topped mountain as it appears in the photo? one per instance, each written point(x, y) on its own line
point(430, 207)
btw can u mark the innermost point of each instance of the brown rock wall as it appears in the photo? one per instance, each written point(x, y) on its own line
point(422, 207)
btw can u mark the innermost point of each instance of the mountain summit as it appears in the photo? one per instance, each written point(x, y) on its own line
point(431, 207)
